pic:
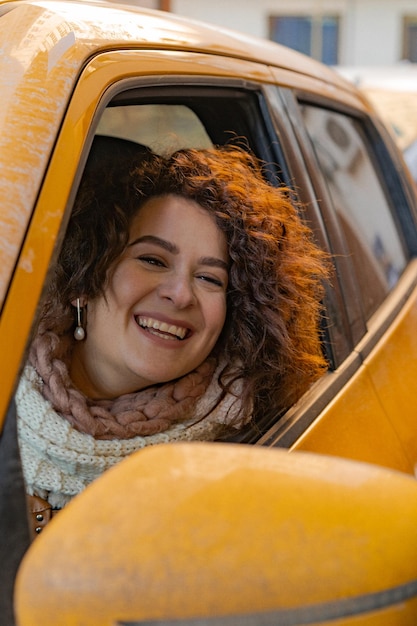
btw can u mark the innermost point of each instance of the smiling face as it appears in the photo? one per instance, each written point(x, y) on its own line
point(164, 305)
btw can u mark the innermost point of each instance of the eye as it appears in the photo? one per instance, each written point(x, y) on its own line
point(151, 260)
point(212, 280)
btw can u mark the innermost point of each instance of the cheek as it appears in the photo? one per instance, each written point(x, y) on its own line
point(116, 297)
point(125, 283)
point(216, 315)
point(98, 315)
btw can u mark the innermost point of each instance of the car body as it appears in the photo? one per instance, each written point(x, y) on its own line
point(70, 70)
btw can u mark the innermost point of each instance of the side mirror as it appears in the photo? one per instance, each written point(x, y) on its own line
point(206, 533)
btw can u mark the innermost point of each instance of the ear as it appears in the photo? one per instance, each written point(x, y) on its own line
point(82, 299)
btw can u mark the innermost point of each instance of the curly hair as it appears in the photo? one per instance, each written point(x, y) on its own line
point(271, 335)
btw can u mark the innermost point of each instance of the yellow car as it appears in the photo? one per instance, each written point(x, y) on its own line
point(70, 71)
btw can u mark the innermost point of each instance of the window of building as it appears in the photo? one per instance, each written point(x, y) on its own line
point(316, 36)
point(410, 38)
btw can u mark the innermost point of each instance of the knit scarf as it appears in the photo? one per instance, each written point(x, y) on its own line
point(146, 412)
point(66, 440)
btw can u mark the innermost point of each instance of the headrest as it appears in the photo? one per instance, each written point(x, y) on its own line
point(109, 152)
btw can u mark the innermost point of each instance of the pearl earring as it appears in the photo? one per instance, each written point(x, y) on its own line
point(79, 332)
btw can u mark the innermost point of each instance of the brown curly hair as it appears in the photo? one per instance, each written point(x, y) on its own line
point(271, 336)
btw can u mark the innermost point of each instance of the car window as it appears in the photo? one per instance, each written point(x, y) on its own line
point(173, 117)
point(372, 239)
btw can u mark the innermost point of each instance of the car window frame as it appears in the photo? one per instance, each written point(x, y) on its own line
point(275, 121)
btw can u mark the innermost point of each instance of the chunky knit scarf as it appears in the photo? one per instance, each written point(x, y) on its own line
point(66, 440)
point(142, 413)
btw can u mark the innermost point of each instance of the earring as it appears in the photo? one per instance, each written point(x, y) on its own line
point(79, 332)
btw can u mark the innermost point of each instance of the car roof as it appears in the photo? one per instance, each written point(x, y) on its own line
point(101, 25)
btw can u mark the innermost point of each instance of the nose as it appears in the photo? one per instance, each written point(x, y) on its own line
point(179, 289)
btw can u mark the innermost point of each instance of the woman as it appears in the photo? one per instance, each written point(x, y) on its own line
point(184, 304)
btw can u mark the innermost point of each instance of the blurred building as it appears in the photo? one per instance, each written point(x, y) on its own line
point(344, 32)
point(162, 5)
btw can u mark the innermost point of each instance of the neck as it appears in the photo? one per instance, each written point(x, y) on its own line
point(86, 379)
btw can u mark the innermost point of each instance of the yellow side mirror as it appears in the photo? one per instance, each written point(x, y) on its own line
point(232, 532)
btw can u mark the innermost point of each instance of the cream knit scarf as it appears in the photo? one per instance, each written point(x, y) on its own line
point(62, 453)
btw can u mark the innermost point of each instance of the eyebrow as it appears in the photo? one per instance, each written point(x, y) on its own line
point(163, 243)
point(173, 249)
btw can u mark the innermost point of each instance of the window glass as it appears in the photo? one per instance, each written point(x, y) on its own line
point(410, 38)
point(294, 32)
point(358, 197)
point(161, 127)
point(329, 41)
point(316, 36)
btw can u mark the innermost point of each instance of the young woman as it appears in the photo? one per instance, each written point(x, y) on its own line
point(185, 303)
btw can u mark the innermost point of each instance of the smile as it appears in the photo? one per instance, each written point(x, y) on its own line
point(162, 329)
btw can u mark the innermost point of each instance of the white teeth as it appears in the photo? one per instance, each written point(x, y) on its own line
point(163, 327)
